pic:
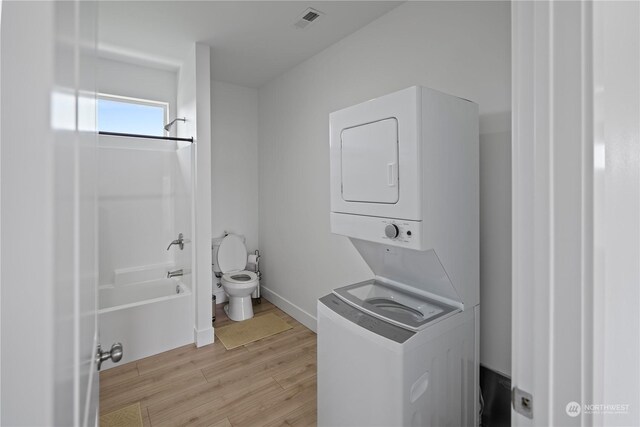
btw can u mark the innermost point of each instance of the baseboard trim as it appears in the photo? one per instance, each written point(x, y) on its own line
point(203, 337)
point(290, 308)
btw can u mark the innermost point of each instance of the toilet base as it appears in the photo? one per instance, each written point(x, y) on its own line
point(239, 308)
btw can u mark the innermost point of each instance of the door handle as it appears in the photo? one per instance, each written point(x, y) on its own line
point(115, 354)
point(391, 174)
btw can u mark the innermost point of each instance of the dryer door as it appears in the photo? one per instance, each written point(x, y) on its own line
point(375, 157)
point(370, 162)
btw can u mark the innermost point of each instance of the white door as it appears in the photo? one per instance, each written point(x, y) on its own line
point(48, 214)
point(576, 213)
point(370, 162)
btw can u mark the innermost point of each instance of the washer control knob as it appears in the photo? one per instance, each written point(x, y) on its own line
point(391, 231)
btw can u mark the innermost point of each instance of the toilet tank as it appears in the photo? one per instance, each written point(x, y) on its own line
point(215, 245)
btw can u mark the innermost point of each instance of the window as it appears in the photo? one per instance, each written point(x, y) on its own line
point(129, 115)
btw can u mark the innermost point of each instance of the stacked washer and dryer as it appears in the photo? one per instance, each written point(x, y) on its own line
point(402, 348)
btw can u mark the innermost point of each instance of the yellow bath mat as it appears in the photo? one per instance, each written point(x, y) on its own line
point(129, 416)
point(251, 330)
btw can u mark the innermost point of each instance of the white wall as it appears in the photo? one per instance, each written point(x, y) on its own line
point(617, 239)
point(124, 79)
point(194, 103)
point(459, 48)
point(234, 161)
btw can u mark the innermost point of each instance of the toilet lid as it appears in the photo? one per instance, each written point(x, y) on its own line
point(232, 254)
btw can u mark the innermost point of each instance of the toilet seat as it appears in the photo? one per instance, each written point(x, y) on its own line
point(232, 254)
point(244, 277)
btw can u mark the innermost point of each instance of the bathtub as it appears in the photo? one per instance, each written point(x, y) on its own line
point(146, 317)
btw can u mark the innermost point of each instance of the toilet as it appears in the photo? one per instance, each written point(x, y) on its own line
point(230, 259)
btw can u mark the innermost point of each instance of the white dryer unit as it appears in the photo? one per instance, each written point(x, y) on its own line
point(402, 348)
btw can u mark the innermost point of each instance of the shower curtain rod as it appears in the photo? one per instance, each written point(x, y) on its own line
point(134, 135)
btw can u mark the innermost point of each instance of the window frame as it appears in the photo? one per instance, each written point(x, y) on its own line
point(132, 100)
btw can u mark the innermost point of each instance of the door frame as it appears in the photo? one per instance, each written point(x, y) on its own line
point(552, 193)
point(566, 318)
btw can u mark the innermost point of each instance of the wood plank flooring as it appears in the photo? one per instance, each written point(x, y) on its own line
point(271, 382)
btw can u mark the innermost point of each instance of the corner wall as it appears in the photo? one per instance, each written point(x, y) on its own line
point(234, 161)
point(456, 47)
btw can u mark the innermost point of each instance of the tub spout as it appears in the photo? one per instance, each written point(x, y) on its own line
point(174, 273)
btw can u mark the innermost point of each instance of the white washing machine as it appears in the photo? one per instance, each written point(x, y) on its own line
point(401, 349)
point(391, 357)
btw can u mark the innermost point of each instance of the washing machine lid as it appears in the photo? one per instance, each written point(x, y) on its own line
point(397, 306)
point(232, 254)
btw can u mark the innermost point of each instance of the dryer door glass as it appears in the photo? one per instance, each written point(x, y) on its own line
point(370, 162)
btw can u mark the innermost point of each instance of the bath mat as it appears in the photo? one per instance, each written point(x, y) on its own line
point(129, 416)
point(251, 330)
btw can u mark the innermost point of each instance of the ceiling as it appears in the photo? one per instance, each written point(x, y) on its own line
point(252, 41)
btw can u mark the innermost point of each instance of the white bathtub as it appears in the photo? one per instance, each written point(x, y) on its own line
point(146, 317)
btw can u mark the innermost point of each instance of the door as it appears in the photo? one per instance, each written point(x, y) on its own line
point(370, 162)
point(576, 213)
point(48, 254)
point(552, 228)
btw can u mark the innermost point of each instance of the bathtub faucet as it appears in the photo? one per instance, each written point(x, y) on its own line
point(174, 273)
point(179, 241)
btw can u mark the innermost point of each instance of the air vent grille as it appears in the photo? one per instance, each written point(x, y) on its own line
point(311, 16)
point(308, 17)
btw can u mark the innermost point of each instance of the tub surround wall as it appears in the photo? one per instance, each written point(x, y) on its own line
point(145, 200)
point(183, 200)
point(139, 180)
point(137, 184)
point(459, 48)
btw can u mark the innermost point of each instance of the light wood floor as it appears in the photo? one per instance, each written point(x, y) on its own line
point(269, 382)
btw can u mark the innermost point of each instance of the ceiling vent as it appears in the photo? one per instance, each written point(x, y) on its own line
point(307, 18)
